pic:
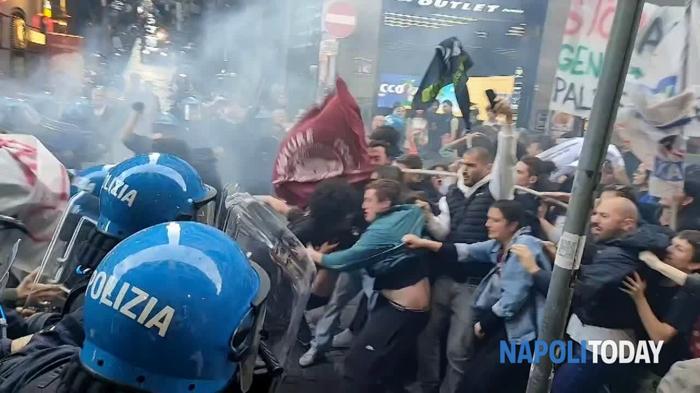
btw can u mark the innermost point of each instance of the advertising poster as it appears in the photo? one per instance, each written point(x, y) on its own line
point(400, 89)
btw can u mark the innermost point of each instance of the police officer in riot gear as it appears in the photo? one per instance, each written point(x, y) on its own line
point(138, 193)
point(146, 307)
point(89, 179)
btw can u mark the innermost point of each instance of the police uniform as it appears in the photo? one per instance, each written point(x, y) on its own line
point(44, 373)
point(130, 199)
point(141, 334)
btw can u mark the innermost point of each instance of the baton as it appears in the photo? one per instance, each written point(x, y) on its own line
point(430, 172)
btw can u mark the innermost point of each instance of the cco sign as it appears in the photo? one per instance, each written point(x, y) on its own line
point(396, 88)
point(386, 88)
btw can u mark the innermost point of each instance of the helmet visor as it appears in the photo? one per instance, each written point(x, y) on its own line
point(206, 209)
point(206, 214)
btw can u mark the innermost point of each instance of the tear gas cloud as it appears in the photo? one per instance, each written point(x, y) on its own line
point(239, 52)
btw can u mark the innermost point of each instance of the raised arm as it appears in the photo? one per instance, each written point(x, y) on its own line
point(502, 175)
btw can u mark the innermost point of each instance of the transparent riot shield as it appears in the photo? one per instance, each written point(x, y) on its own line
point(61, 259)
point(221, 211)
point(6, 262)
point(264, 236)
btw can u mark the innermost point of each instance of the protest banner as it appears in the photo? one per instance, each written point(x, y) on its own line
point(657, 62)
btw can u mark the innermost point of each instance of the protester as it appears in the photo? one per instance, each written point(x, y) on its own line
point(436, 131)
point(377, 121)
point(506, 308)
point(401, 311)
point(447, 123)
point(167, 138)
point(669, 316)
point(441, 184)
point(649, 206)
point(538, 144)
point(379, 153)
point(463, 214)
point(330, 218)
point(677, 309)
point(397, 120)
point(415, 182)
point(533, 173)
point(541, 277)
point(600, 309)
point(390, 172)
point(683, 378)
point(687, 204)
point(390, 136)
point(491, 120)
point(640, 180)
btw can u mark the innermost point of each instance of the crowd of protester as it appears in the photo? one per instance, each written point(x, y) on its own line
point(448, 264)
point(450, 246)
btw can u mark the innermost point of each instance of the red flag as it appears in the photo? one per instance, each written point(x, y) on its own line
point(329, 142)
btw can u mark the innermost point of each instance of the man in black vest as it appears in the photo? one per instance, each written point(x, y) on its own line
point(462, 218)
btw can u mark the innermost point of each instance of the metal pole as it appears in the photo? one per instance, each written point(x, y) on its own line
point(595, 146)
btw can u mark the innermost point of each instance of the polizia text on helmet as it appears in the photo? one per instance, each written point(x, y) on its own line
point(101, 286)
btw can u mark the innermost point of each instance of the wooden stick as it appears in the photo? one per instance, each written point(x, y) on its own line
point(456, 142)
point(429, 172)
point(467, 138)
point(519, 188)
point(543, 197)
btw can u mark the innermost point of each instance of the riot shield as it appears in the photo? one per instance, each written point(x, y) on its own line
point(264, 236)
point(5, 266)
point(6, 261)
point(221, 210)
point(61, 259)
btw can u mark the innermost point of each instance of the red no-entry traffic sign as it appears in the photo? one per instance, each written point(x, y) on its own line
point(340, 19)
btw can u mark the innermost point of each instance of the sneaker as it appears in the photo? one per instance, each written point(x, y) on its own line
point(311, 357)
point(343, 339)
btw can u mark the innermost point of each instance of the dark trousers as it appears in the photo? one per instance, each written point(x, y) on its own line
point(379, 352)
point(484, 373)
point(590, 377)
point(360, 318)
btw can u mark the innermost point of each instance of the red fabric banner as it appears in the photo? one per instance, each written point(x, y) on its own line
point(328, 142)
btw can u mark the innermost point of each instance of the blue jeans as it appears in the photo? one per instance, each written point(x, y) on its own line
point(349, 284)
point(588, 377)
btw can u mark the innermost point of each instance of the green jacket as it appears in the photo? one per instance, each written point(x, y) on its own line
point(381, 248)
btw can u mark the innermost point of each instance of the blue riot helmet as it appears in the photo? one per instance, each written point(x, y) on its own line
point(150, 189)
point(89, 179)
point(167, 124)
point(190, 335)
point(79, 114)
point(138, 193)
